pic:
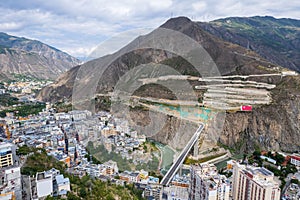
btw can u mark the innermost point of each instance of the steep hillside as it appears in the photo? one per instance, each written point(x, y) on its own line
point(277, 40)
point(31, 57)
point(263, 127)
point(229, 58)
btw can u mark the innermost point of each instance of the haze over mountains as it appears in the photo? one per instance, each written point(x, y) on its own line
point(265, 125)
point(32, 58)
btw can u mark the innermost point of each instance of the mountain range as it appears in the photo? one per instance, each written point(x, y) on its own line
point(237, 49)
point(277, 40)
point(19, 55)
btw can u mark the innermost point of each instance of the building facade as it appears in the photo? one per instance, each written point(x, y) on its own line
point(51, 183)
point(255, 183)
point(10, 183)
point(7, 154)
point(207, 184)
point(62, 184)
point(295, 160)
point(44, 184)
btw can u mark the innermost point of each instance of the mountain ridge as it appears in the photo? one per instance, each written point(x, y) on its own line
point(19, 55)
point(277, 40)
point(263, 125)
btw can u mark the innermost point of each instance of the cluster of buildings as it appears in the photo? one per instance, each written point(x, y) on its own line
point(52, 183)
point(247, 182)
point(110, 171)
point(26, 86)
point(206, 183)
point(25, 89)
point(127, 145)
point(254, 183)
point(10, 177)
point(66, 135)
point(13, 186)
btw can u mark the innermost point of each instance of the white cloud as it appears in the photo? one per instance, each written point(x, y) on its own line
point(199, 6)
point(8, 26)
point(77, 26)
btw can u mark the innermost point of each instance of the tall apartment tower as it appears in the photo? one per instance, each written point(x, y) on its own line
point(255, 183)
point(7, 154)
point(207, 184)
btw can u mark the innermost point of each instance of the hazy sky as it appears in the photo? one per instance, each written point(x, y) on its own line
point(77, 26)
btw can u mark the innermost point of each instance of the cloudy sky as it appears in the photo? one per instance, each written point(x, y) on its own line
point(77, 26)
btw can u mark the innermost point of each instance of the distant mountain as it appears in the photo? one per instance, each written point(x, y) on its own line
point(277, 40)
point(19, 55)
point(271, 126)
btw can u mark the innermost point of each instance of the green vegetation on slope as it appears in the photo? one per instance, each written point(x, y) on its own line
point(181, 65)
point(8, 100)
point(22, 77)
point(62, 107)
point(39, 161)
point(24, 110)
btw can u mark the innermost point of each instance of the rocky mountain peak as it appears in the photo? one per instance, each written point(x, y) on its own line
point(19, 55)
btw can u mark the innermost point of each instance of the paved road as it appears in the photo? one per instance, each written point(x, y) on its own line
point(175, 167)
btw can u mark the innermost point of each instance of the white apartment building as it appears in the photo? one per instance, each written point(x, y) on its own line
point(207, 184)
point(63, 184)
point(44, 184)
point(255, 183)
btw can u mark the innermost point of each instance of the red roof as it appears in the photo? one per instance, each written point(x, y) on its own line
point(295, 157)
point(263, 152)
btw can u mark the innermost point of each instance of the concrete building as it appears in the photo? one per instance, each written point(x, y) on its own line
point(207, 184)
point(63, 184)
point(111, 167)
point(79, 114)
point(255, 183)
point(130, 177)
point(153, 192)
point(270, 160)
point(52, 183)
point(175, 192)
point(10, 183)
point(295, 160)
point(144, 176)
point(181, 181)
point(7, 154)
point(44, 184)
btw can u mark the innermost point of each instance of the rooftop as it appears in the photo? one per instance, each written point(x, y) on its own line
point(5, 145)
point(60, 180)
